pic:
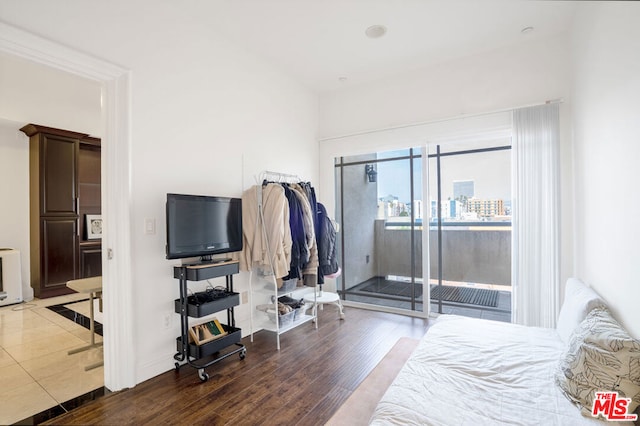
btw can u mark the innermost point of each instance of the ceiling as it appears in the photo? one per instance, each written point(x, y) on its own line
point(323, 44)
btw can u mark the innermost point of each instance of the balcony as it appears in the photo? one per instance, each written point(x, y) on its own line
point(476, 268)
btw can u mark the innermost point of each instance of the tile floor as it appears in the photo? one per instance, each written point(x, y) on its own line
point(36, 373)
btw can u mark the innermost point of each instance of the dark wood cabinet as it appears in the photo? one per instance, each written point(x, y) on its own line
point(64, 185)
point(59, 259)
point(58, 175)
point(90, 260)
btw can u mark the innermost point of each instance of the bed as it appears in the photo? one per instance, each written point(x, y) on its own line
point(468, 371)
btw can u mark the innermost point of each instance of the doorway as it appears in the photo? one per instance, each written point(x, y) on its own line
point(119, 347)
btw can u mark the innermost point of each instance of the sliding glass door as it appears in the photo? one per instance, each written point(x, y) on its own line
point(470, 229)
point(381, 211)
point(465, 206)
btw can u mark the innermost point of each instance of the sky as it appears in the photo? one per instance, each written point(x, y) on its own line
point(490, 172)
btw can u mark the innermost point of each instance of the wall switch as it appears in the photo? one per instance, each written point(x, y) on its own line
point(149, 226)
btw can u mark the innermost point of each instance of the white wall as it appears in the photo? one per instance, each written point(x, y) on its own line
point(203, 125)
point(14, 197)
point(606, 92)
point(33, 93)
point(509, 77)
point(530, 73)
point(206, 118)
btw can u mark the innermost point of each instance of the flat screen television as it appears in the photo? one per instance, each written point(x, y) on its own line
point(199, 225)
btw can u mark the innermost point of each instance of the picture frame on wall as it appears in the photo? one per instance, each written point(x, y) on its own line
point(93, 226)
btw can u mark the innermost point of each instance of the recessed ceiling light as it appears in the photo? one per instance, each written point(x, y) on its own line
point(526, 30)
point(376, 31)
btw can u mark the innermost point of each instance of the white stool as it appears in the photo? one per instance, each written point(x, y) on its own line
point(322, 298)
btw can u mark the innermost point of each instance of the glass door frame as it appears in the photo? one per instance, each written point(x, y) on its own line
point(340, 164)
point(438, 156)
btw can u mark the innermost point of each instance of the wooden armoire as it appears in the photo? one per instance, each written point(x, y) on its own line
point(64, 185)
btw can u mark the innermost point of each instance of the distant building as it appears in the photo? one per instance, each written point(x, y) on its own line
point(451, 209)
point(486, 208)
point(389, 199)
point(463, 188)
point(454, 209)
point(417, 209)
point(389, 206)
point(398, 208)
point(507, 207)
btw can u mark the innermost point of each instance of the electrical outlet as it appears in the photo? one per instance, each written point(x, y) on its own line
point(167, 320)
point(245, 297)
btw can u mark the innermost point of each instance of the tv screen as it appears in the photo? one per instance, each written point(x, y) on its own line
point(199, 225)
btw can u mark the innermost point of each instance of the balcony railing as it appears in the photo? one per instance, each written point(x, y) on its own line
point(476, 252)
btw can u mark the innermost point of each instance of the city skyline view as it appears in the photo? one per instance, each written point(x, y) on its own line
point(485, 176)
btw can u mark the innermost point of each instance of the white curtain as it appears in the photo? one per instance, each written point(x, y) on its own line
point(536, 212)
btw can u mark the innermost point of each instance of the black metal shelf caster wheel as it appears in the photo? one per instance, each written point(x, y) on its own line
point(243, 354)
point(203, 375)
point(177, 366)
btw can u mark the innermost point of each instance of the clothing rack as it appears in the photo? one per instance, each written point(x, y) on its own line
point(274, 177)
point(278, 177)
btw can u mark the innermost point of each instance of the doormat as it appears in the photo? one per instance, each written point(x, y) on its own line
point(468, 295)
point(465, 295)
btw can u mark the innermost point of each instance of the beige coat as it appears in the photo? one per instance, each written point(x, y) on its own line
point(267, 243)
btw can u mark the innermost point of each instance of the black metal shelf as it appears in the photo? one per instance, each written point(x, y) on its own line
point(201, 351)
point(188, 352)
point(208, 308)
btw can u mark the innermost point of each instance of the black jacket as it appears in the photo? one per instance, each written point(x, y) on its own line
point(326, 239)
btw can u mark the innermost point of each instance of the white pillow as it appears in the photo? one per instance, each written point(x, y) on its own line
point(601, 357)
point(579, 300)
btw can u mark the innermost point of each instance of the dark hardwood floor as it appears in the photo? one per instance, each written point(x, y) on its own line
point(304, 383)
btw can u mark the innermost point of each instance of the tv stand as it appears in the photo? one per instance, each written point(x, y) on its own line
point(199, 356)
point(207, 262)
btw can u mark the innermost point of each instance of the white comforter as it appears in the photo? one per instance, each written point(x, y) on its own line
point(468, 371)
